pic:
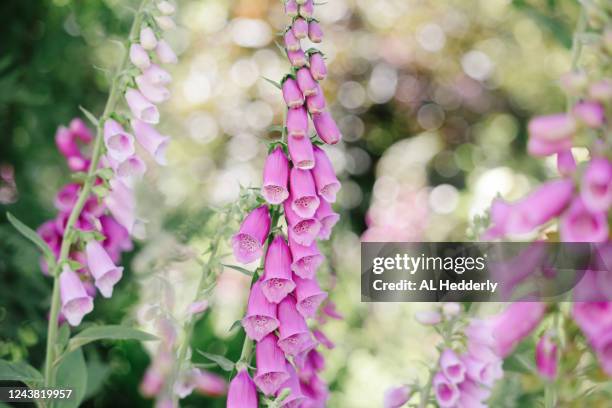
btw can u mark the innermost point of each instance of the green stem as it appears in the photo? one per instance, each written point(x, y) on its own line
point(69, 235)
point(424, 400)
point(581, 26)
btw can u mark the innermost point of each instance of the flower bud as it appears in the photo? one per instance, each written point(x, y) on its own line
point(242, 392)
point(305, 81)
point(292, 43)
point(301, 152)
point(316, 103)
point(326, 128)
point(307, 9)
point(139, 56)
point(428, 317)
point(297, 122)
point(148, 41)
point(300, 28)
point(165, 22)
point(165, 7)
point(397, 397)
point(165, 53)
point(157, 75)
point(297, 58)
point(318, 70)
point(324, 176)
point(248, 242)
point(276, 177)
point(292, 94)
point(315, 33)
point(546, 357)
point(303, 193)
point(291, 8)
point(566, 164)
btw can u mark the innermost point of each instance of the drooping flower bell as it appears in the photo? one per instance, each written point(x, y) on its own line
point(76, 303)
point(242, 392)
point(102, 268)
point(294, 334)
point(276, 176)
point(260, 319)
point(305, 199)
point(546, 357)
point(271, 369)
point(248, 242)
point(277, 280)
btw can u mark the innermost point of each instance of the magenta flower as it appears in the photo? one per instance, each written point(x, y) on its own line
point(260, 319)
point(165, 53)
point(248, 242)
point(141, 108)
point(593, 318)
point(271, 371)
point(590, 113)
point(396, 397)
point(291, 8)
point(301, 152)
point(325, 177)
point(300, 28)
point(295, 397)
point(515, 323)
point(294, 334)
point(306, 82)
point(67, 197)
point(66, 142)
point(297, 58)
point(297, 122)
point(306, 259)
point(566, 164)
point(550, 134)
point(307, 9)
point(303, 230)
point(151, 140)
point(153, 92)
point(139, 56)
point(148, 41)
point(452, 366)
point(119, 143)
point(546, 357)
point(292, 43)
point(76, 303)
point(326, 128)
point(596, 189)
point(102, 268)
point(242, 392)
point(318, 69)
point(323, 339)
point(315, 33)
point(305, 199)
point(276, 176)
point(446, 392)
point(210, 384)
point(121, 204)
point(309, 296)
point(316, 103)
point(292, 94)
point(277, 282)
point(328, 218)
point(80, 130)
point(578, 224)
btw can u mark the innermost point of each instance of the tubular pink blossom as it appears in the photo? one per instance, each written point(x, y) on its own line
point(307, 9)
point(590, 113)
point(326, 128)
point(593, 318)
point(297, 58)
point(210, 384)
point(119, 143)
point(566, 164)
point(305, 200)
point(102, 268)
point(306, 259)
point(297, 122)
point(67, 197)
point(248, 242)
point(550, 134)
point(596, 189)
point(318, 69)
point(324, 176)
point(396, 397)
point(316, 103)
point(300, 28)
point(309, 296)
point(291, 8)
point(154, 93)
point(292, 43)
point(578, 224)
point(165, 22)
point(164, 53)
point(472, 395)
point(323, 339)
point(447, 393)
point(140, 107)
point(271, 370)
point(294, 334)
point(76, 303)
point(305, 81)
point(452, 367)
point(66, 143)
point(515, 323)
point(133, 168)
point(292, 94)
point(139, 56)
point(151, 140)
point(546, 357)
point(303, 230)
point(148, 41)
point(80, 130)
point(157, 75)
point(328, 219)
point(260, 319)
point(301, 152)
point(120, 203)
point(295, 397)
point(276, 282)
point(601, 90)
point(276, 176)
point(78, 163)
point(315, 33)
point(483, 371)
point(242, 392)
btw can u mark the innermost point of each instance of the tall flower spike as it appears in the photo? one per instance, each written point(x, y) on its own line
point(242, 392)
point(294, 334)
point(301, 152)
point(276, 176)
point(76, 303)
point(324, 176)
point(306, 259)
point(271, 371)
point(309, 296)
point(151, 140)
point(248, 242)
point(303, 230)
point(305, 200)
point(102, 268)
point(276, 281)
point(119, 143)
point(260, 319)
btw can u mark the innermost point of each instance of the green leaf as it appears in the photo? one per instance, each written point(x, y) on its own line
point(31, 235)
point(97, 374)
point(89, 116)
point(239, 269)
point(106, 173)
point(114, 332)
point(19, 371)
point(221, 361)
point(276, 84)
point(72, 374)
point(100, 190)
point(235, 325)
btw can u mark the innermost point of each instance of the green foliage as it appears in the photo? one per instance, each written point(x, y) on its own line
point(19, 371)
point(111, 332)
point(72, 374)
point(32, 236)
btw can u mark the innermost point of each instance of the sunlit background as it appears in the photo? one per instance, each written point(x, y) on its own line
point(432, 99)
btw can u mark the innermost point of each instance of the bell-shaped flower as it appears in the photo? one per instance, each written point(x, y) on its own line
point(141, 107)
point(306, 259)
point(292, 94)
point(260, 319)
point(277, 282)
point(328, 219)
point(447, 394)
point(550, 134)
point(302, 186)
point(297, 122)
point(303, 230)
point(315, 33)
point(324, 176)
point(154, 93)
point(67, 197)
point(165, 53)
point(301, 152)
point(76, 303)
point(318, 69)
point(242, 392)
point(306, 82)
point(130, 170)
point(309, 296)
point(157, 75)
point(452, 366)
point(596, 188)
point(295, 397)
point(248, 242)
point(66, 142)
point(139, 56)
point(148, 41)
point(119, 143)
point(105, 273)
point(579, 224)
point(326, 128)
point(316, 103)
point(122, 206)
point(151, 140)
point(294, 334)
point(546, 357)
point(276, 177)
point(271, 370)
point(515, 323)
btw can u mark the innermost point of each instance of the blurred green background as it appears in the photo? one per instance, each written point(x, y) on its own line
point(432, 99)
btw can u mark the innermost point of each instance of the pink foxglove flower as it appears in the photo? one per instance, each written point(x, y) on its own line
point(67, 197)
point(578, 224)
point(297, 58)
point(307, 9)
point(294, 333)
point(292, 43)
point(447, 393)
point(590, 113)
point(309, 296)
point(157, 75)
point(102, 268)
point(66, 142)
point(396, 397)
point(260, 319)
point(120, 202)
point(141, 108)
point(165, 53)
point(546, 357)
point(515, 323)
point(210, 384)
point(242, 392)
point(318, 69)
point(76, 303)
point(276, 176)
point(248, 242)
point(139, 56)
point(550, 134)
point(301, 152)
point(119, 143)
point(297, 122)
point(316, 103)
point(566, 164)
point(292, 94)
point(291, 8)
point(130, 170)
point(165, 23)
point(324, 176)
point(277, 281)
point(596, 189)
point(271, 369)
point(148, 41)
point(303, 230)
point(295, 398)
point(328, 218)
point(452, 366)
point(151, 140)
point(300, 28)
point(305, 200)
point(306, 259)
point(315, 33)
point(306, 82)
point(326, 128)
point(154, 93)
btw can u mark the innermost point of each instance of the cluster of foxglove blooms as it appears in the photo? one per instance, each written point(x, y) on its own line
point(108, 218)
point(303, 186)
